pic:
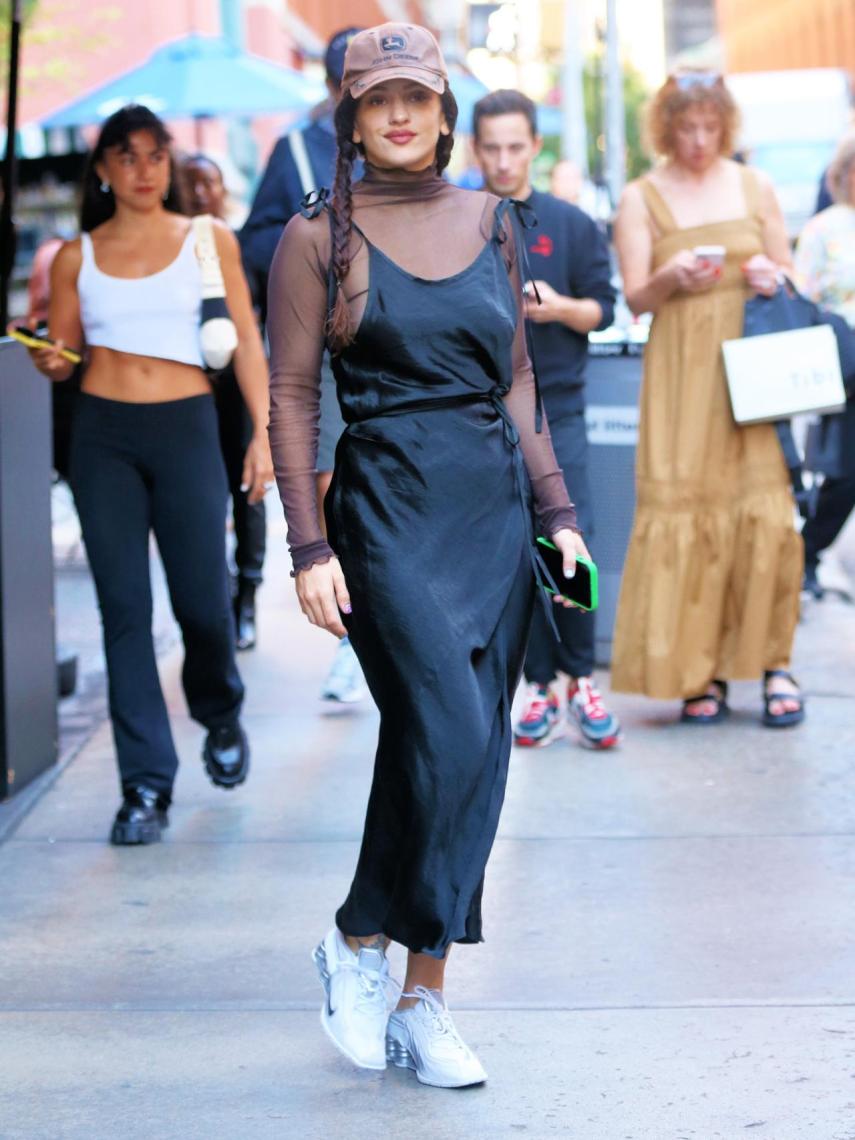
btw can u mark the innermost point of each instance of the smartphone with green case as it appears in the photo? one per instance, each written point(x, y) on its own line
point(583, 588)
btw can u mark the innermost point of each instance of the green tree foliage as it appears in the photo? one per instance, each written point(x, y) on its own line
point(27, 9)
point(40, 26)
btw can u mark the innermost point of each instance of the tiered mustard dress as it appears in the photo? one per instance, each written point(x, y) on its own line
point(712, 577)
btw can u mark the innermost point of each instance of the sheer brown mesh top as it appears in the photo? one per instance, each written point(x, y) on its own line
point(432, 230)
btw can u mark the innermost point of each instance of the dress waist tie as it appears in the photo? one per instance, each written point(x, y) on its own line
point(493, 397)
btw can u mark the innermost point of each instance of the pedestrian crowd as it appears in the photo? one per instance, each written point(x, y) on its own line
point(422, 412)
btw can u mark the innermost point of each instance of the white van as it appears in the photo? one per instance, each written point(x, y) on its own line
point(791, 123)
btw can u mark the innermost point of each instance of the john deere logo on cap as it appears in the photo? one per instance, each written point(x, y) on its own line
point(393, 43)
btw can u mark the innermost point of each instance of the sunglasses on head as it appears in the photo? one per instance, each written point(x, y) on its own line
point(690, 79)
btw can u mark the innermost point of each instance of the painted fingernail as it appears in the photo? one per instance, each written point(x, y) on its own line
point(244, 486)
point(569, 571)
point(347, 609)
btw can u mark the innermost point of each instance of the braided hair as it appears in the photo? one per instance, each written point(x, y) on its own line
point(339, 329)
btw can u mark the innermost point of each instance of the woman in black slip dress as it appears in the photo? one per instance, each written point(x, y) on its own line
point(429, 565)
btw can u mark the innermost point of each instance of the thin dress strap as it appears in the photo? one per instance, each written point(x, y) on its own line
point(751, 190)
point(657, 207)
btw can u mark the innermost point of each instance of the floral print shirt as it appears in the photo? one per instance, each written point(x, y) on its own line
point(825, 260)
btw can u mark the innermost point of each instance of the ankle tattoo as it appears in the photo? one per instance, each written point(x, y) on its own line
point(378, 942)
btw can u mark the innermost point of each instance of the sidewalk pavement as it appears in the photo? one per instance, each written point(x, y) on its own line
point(670, 929)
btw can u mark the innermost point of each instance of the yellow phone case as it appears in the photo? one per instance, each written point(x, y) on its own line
point(36, 342)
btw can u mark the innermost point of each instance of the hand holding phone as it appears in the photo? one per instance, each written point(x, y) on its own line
point(582, 590)
point(34, 341)
point(710, 255)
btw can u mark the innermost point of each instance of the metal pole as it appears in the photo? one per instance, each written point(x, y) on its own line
point(10, 168)
point(615, 124)
point(574, 135)
point(231, 22)
point(444, 15)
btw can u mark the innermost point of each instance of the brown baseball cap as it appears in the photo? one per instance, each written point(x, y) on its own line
point(393, 51)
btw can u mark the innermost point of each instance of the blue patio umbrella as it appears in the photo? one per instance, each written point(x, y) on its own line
point(192, 78)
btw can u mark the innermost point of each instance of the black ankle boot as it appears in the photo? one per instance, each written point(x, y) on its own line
point(244, 604)
point(810, 583)
point(142, 816)
point(226, 755)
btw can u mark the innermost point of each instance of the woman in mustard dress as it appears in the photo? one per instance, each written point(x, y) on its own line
point(711, 583)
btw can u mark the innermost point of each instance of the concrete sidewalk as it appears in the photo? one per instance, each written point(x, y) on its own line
point(670, 930)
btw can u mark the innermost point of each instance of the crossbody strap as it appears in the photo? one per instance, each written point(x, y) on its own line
point(523, 218)
point(208, 258)
point(301, 161)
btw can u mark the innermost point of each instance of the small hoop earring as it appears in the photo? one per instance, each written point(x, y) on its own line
point(166, 193)
point(105, 187)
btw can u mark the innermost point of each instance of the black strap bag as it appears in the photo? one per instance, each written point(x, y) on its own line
point(790, 309)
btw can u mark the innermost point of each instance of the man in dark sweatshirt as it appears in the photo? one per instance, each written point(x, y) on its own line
point(569, 263)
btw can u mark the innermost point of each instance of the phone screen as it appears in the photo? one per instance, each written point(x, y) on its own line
point(582, 588)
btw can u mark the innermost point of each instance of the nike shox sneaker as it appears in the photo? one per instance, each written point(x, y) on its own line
point(424, 1038)
point(599, 728)
point(359, 994)
point(541, 720)
point(345, 683)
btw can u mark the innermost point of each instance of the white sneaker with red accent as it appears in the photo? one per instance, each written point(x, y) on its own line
point(541, 721)
point(598, 727)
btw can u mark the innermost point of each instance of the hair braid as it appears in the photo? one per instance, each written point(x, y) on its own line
point(339, 330)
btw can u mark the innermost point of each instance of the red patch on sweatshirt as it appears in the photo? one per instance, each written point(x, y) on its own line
point(544, 246)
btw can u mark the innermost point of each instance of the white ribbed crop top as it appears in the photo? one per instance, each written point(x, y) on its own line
point(157, 315)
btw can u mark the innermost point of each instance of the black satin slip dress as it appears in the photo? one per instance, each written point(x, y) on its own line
point(430, 515)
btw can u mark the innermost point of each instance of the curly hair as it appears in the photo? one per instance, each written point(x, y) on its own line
point(339, 329)
point(678, 94)
point(840, 170)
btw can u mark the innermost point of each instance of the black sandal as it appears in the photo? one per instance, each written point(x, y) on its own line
point(782, 719)
point(721, 706)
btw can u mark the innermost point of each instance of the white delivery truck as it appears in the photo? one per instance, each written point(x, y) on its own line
point(791, 123)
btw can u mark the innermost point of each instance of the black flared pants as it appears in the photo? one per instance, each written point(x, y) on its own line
point(573, 654)
point(137, 469)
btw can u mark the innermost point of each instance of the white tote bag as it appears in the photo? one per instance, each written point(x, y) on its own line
point(783, 374)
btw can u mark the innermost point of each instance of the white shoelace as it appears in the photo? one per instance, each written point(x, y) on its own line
point(440, 1016)
point(374, 985)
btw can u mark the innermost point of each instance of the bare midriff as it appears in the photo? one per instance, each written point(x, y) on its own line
point(134, 379)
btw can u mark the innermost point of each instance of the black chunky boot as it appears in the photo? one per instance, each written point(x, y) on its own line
point(142, 816)
point(244, 604)
point(226, 755)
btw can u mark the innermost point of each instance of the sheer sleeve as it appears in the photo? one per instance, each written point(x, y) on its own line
point(297, 306)
point(551, 499)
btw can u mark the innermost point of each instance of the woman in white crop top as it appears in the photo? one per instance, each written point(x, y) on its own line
point(145, 453)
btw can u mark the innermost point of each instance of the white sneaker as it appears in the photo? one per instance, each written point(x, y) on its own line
point(359, 995)
point(345, 682)
point(425, 1039)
